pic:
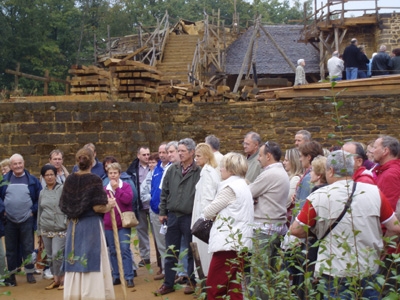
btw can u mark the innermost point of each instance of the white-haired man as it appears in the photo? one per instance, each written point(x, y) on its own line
point(335, 67)
point(382, 63)
point(20, 197)
point(300, 77)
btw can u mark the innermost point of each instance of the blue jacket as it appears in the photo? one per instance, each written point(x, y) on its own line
point(34, 188)
point(155, 187)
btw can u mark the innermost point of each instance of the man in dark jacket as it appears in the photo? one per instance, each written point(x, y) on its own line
point(382, 63)
point(138, 171)
point(351, 57)
point(176, 205)
point(20, 195)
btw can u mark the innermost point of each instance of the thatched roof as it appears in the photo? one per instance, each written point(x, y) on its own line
point(268, 60)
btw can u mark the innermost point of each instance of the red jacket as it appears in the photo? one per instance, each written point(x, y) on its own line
point(363, 175)
point(388, 181)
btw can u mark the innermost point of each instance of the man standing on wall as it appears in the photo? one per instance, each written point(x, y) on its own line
point(176, 207)
point(20, 197)
point(351, 58)
point(251, 145)
point(138, 171)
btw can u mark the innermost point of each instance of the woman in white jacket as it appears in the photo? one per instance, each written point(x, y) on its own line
point(232, 231)
point(206, 189)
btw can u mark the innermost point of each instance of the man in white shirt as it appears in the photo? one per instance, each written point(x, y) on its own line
point(335, 67)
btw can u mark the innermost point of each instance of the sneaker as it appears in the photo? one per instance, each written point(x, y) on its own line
point(47, 274)
point(164, 290)
point(144, 262)
point(37, 272)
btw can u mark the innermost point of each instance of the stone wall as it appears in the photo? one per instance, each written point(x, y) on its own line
point(118, 128)
point(389, 31)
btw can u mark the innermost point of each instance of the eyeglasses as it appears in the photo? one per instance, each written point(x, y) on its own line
point(49, 175)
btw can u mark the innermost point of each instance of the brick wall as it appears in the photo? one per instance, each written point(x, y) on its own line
point(118, 128)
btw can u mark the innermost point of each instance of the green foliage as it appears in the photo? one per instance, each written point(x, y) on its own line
point(52, 35)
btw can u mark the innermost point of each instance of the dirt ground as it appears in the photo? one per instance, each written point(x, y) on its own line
point(144, 287)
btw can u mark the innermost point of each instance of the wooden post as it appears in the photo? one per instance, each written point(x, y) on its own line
point(109, 41)
point(336, 39)
point(321, 56)
point(16, 78)
point(67, 85)
point(95, 49)
point(46, 83)
point(247, 56)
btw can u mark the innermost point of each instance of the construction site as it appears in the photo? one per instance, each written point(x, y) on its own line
point(206, 61)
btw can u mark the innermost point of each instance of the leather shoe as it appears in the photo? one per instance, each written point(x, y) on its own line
point(130, 283)
point(164, 290)
point(117, 281)
point(10, 281)
point(159, 277)
point(30, 278)
point(53, 285)
point(189, 289)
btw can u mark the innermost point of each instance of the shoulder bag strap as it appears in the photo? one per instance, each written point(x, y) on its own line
point(346, 207)
point(116, 203)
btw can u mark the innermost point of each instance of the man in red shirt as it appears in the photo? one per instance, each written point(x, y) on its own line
point(361, 174)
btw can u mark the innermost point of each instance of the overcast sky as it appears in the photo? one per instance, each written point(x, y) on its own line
point(365, 4)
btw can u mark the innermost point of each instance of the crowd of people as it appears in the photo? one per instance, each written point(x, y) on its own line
point(264, 195)
point(354, 64)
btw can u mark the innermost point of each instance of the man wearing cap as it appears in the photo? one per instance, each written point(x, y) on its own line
point(335, 67)
point(351, 57)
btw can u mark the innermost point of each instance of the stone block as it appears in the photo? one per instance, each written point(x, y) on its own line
point(85, 138)
point(47, 116)
point(63, 116)
point(81, 116)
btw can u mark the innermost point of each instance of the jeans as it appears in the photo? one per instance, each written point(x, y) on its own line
point(178, 228)
point(341, 289)
point(351, 73)
point(55, 252)
point(124, 235)
point(16, 235)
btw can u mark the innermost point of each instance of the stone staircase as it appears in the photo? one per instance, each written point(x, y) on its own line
point(178, 55)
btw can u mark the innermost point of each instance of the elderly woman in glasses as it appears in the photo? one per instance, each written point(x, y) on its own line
point(52, 224)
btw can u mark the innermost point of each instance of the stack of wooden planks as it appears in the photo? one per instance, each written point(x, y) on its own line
point(133, 80)
point(89, 80)
point(187, 93)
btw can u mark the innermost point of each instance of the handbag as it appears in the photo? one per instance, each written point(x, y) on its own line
point(128, 218)
point(201, 229)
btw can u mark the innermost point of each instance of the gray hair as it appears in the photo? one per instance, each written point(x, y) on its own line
point(254, 136)
point(341, 162)
point(300, 61)
point(15, 156)
point(305, 133)
point(392, 144)
point(172, 144)
point(213, 141)
point(382, 48)
point(189, 143)
point(335, 53)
